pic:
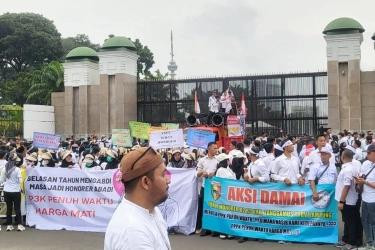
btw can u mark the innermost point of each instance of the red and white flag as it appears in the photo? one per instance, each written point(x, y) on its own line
point(228, 101)
point(243, 105)
point(197, 109)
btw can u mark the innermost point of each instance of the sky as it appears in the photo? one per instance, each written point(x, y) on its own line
point(214, 37)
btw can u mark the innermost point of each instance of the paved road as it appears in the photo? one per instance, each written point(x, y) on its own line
point(65, 240)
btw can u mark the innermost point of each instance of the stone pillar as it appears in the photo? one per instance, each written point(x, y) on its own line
point(118, 84)
point(344, 38)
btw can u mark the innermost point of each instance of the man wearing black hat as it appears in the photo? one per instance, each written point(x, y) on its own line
point(137, 222)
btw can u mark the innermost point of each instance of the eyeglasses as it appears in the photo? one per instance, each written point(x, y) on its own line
point(143, 154)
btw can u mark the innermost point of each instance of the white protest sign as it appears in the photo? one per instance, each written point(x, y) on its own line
point(167, 139)
point(180, 208)
point(71, 199)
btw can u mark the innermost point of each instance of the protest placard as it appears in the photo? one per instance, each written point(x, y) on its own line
point(271, 211)
point(121, 138)
point(171, 125)
point(233, 125)
point(167, 139)
point(46, 141)
point(139, 130)
point(199, 138)
point(154, 128)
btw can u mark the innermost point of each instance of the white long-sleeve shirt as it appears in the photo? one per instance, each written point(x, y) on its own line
point(206, 164)
point(134, 227)
point(284, 167)
point(12, 184)
point(268, 159)
point(258, 169)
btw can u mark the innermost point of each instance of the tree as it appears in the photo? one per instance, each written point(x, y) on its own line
point(145, 60)
point(15, 90)
point(28, 39)
point(158, 76)
point(80, 40)
point(45, 81)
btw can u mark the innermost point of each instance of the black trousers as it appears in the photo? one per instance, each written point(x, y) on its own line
point(209, 118)
point(200, 209)
point(353, 230)
point(10, 199)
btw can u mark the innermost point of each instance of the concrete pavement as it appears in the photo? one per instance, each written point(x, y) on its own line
point(65, 240)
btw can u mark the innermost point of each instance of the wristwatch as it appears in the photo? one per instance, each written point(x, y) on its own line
point(366, 183)
point(341, 202)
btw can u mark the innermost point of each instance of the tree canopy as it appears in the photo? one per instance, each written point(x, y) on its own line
point(45, 81)
point(28, 39)
point(80, 40)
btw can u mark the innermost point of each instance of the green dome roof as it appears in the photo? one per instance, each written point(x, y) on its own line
point(373, 37)
point(82, 53)
point(118, 42)
point(343, 25)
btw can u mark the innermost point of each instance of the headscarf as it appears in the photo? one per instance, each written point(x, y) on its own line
point(11, 165)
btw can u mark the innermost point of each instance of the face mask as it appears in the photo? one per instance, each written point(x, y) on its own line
point(45, 162)
point(88, 164)
point(109, 159)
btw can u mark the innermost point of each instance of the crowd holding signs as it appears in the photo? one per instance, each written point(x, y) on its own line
point(83, 200)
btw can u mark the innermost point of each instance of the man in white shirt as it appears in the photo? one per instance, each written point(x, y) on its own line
point(366, 180)
point(206, 168)
point(348, 203)
point(269, 148)
point(320, 141)
point(322, 173)
point(286, 167)
point(212, 106)
point(137, 222)
point(358, 151)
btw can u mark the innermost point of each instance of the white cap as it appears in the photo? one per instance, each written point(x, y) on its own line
point(325, 150)
point(350, 148)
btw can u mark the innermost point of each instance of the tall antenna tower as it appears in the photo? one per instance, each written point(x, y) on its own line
point(172, 67)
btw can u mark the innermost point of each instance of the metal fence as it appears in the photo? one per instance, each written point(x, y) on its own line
point(296, 103)
point(11, 121)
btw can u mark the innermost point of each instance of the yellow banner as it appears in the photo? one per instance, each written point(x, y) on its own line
point(139, 130)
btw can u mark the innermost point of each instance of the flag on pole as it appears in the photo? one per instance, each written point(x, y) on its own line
point(197, 109)
point(243, 105)
point(243, 113)
point(228, 101)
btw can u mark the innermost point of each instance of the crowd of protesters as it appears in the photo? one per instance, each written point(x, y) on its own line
point(346, 160)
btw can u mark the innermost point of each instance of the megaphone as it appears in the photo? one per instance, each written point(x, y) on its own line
point(191, 120)
point(217, 120)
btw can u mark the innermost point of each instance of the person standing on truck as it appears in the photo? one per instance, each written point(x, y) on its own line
point(213, 107)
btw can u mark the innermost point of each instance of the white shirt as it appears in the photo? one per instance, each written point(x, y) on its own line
point(268, 159)
point(368, 194)
point(345, 178)
point(133, 227)
point(223, 101)
point(358, 154)
point(2, 164)
point(328, 177)
point(12, 184)
point(316, 158)
point(206, 164)
point(226, 173)
point(284, 167)
point(211, 103)
point(258, 169)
